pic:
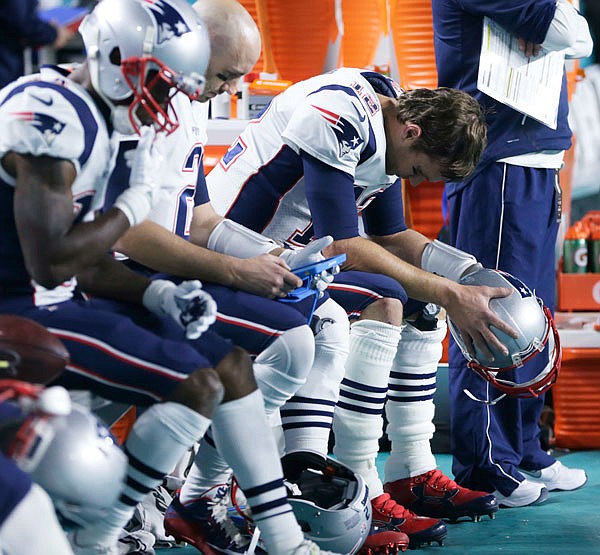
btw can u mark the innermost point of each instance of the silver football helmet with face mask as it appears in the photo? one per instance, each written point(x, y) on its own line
point(140, 53)
point(525, 312)
point(65, 449)
point(331, 503)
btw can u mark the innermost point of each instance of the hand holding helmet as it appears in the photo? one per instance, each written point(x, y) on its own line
point(525, 313)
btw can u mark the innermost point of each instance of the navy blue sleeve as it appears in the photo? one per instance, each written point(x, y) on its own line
point(201, 193)
point(330, 194)
point(385, 214)
point(529, 19)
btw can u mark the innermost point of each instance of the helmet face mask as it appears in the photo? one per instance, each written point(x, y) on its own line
point(135, 48)
point(152, 100)
point(331, 503)
point(537, 335)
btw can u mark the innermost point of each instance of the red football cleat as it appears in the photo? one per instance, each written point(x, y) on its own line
point(384, 539)
point(205, 524)
point(419, 529)
point(435, 495)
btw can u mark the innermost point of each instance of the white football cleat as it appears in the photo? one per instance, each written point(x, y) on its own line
point(527, 493)
point(557, 476)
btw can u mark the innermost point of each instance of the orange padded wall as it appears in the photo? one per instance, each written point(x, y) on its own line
point(252, 8)
point(576, 400)
point(364, 25)
point(412, 32)
point(300, 38)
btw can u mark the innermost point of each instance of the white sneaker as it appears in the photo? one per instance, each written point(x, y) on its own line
point(308, 547)
point(557, 476)
point(94, 549)
point(527, 493)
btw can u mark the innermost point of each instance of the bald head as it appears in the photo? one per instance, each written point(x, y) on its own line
point(234, 41)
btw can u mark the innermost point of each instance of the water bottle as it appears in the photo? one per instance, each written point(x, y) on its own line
point(575, 250)
point(594, 250)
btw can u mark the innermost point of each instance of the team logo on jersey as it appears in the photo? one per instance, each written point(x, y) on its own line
point(346, 134)
point(47, 125)
point(169, 22)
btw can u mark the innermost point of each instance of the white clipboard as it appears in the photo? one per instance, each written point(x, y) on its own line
point(529, 85)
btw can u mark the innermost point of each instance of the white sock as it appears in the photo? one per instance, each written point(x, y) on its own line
point(241, 431)
point(410, 407)
point(358, 421)
point(158, 440)
point(308, 415)
point(207, 473)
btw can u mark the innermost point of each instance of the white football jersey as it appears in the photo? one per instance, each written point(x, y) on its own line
point(181, 153)
point(337, 119)
point(47, 114)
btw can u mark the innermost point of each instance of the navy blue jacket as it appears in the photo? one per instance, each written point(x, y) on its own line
point(458, 28)
point(20, 27)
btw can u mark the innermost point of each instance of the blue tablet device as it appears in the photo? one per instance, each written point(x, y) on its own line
point(307, 273)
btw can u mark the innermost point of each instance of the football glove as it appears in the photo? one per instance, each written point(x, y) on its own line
point(308, 255)
point(144, 189)
point(187, 303)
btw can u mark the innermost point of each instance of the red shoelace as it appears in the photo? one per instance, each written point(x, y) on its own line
point(387, 506)
point(437, 479)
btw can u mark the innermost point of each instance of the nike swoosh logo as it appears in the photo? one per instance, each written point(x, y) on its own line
point(532, 473)
point(361, 116)
point(46, 101)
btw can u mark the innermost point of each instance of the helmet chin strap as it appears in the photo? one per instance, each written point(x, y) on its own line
point(485, 401)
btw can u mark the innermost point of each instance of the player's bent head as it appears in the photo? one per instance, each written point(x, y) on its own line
point(454, 130)
point(140, 53)
point(235, 44)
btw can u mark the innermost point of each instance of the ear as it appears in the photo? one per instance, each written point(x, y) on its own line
point(411, 131)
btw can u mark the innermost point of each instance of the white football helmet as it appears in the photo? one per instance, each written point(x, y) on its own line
point(142, 51)
point(331, 503)
point(525, 312)
point(66, 450)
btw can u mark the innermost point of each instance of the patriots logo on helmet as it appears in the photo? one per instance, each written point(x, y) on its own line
point(169, 22)
point(47, 125)
point(523, 290)
point(347, 135)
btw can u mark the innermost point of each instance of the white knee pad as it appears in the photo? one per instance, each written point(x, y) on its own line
point(281, 369)
point(410, 408)
point(358, 420)
point(307, 416)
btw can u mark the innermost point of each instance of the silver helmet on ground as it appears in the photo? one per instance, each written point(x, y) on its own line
point(331, 503)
